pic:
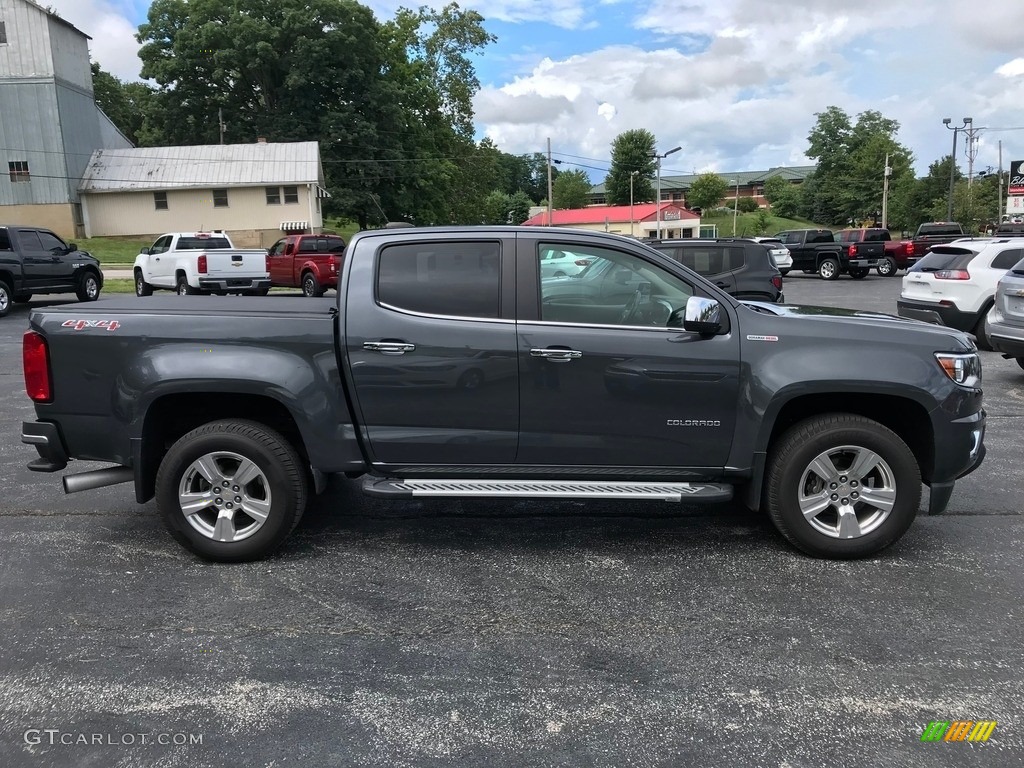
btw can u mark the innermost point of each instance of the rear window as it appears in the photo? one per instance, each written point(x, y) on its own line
point(321, 245)
point(939, 229)
point(706, 259)
point(5, 240)
point(944, 258)
point(202, 243)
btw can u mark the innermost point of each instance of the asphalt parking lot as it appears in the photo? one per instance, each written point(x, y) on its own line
point(512, 633)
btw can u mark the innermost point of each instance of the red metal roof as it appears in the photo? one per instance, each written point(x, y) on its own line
point(613, 214)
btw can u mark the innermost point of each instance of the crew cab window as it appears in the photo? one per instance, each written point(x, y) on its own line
point(51, 242)
point(5, 240)
point(29, 240)
point(436, 278)
point(615, 288)
point(1008, 258)
point(321, 245)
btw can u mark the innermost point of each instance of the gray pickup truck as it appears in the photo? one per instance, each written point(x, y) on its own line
point(447, 366)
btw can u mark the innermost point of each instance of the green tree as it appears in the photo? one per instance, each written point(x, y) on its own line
point(631, 151)
point(747, 205)
point(930, 193)
point(763, 221)
point(706, 191)
point(496, 208)
point(126, 104)
point(774, 188)
point(571, 189)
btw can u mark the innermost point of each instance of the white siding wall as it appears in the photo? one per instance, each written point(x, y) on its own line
point(70, 55)
point(134, 213)
point(27, 53)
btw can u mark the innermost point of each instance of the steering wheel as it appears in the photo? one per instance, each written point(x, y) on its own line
point(630, 308)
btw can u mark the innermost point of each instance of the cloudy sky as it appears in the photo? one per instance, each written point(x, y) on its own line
point(735, 83)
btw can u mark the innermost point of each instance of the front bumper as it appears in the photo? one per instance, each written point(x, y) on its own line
point(234, 283)
point(937, 314)
point(49, 444)
point(960, 450)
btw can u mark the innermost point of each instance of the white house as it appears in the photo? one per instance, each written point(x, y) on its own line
point(253, 191)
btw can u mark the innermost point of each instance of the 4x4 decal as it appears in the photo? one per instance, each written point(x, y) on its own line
point(78, 325)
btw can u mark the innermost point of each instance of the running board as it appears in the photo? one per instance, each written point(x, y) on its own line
point(397, 488)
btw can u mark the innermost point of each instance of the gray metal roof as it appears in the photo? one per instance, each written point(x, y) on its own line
point(204, 165)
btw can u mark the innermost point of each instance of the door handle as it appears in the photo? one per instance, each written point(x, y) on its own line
point(389, 347)
point(557, 355)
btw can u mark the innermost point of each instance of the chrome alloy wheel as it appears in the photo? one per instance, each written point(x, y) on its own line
point(847, 492)
point(224, 496)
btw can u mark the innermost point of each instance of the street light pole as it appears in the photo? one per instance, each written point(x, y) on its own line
point(952, 161)
point(632, 176)
point(735, 206)
point(658, 157)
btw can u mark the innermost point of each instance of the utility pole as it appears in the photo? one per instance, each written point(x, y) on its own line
point(885, 193)
point(999, 200)
point(659, 158)
point(952, 161)
point(220, 121)
point(550, 208)
point(971, 150)
point(735, 205)
point(632, 176)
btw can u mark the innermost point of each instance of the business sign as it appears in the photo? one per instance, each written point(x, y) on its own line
point(1015, 206)
point(1016, 178)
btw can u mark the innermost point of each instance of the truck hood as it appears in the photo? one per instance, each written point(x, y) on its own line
point(873, 320)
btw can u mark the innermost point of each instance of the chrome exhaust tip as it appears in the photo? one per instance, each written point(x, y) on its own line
point(98, 478)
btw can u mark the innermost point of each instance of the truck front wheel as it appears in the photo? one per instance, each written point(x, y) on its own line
point(828, 269)
point(842, 486)
point(88, 287)
point(5, 298)
point(231, 491)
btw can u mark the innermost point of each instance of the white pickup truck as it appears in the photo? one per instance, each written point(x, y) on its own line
point(200, 262)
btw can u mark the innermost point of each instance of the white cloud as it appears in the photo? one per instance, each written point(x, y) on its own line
point(1013, 68)
point(109, 25)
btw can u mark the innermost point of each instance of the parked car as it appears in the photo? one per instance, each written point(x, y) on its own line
point(898, 254)
point(311, 262)
point(934, 233)
point(34, 260)
point(738, 266)
point(200, 262)
point(1006, 318)
point(558, 263)
point(778, 251)
point(816, 250)
point(955, 284)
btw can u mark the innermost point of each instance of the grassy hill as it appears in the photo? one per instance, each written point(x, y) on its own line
point(747, 224)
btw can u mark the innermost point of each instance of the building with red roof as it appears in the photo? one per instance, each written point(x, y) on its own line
point(639, 220)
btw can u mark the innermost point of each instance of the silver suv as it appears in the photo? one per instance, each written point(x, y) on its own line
point(1006, 318)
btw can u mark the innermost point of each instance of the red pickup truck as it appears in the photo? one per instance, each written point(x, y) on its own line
point(311, 262)
point(899, 254)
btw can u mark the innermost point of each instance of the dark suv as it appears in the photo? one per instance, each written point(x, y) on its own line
point(739, 267)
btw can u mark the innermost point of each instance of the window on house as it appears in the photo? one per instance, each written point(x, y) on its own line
point(273, 196)
point(291, 194)
point(160, 201)
point(3, 34)
point(18, 170)
point(220, 198)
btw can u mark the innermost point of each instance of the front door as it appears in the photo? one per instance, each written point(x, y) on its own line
point(161, 267)
point(431, 351)
point(605, 382)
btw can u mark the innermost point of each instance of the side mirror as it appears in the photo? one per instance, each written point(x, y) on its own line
point(144, 251)
point(72, 247)
point(703, 316)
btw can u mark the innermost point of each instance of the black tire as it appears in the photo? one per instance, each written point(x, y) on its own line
point(981, 332)
point(88, 286)
point(838, 442)
point(22, 298)
point(311, 286)
point(142, 288)
point(278, 488)
point(828, 269)
point(886, 268)
point(5, 298)
point(182, 288)
point(261, 291)
point(859, 273)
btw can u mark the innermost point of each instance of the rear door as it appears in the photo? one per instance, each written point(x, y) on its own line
point(430, 346)
point(39, 264)
point(604, 381)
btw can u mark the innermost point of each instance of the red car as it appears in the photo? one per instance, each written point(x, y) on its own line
point(311, 262)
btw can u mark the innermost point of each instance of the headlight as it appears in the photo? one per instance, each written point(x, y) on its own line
point(965, 370)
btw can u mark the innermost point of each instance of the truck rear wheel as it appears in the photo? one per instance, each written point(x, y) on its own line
point(842, 486)
point(311, 286)
point(828, 269)
point(5, 298)
point(886, 267)
point(182, 288)
point(231, 491)
point(88, 286)
point(859, 273)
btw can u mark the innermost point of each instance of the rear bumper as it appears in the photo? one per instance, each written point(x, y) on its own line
point(234, 283)
point(1006, 339)
point(937, 314)
point(49, 444)
point(857, 263)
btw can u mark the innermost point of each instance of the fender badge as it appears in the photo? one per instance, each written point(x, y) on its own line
point(762, 338)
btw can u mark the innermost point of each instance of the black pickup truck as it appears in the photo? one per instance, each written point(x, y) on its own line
point(34, 260)
point(447, 366)
point(817, 250)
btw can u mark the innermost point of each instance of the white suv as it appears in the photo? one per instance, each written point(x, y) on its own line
point(1006, 319)
point(778, 251)
point(954, 284)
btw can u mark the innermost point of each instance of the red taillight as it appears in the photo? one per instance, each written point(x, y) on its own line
point(202, 264)
point(908, 248)
point(777, 281)
point(952, 274)
point(266, 263)
point(851, 250)
point(36, 363)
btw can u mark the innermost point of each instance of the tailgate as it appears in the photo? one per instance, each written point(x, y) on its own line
point(236, 263)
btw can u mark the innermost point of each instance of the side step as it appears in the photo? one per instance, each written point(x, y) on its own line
point(397, 488)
